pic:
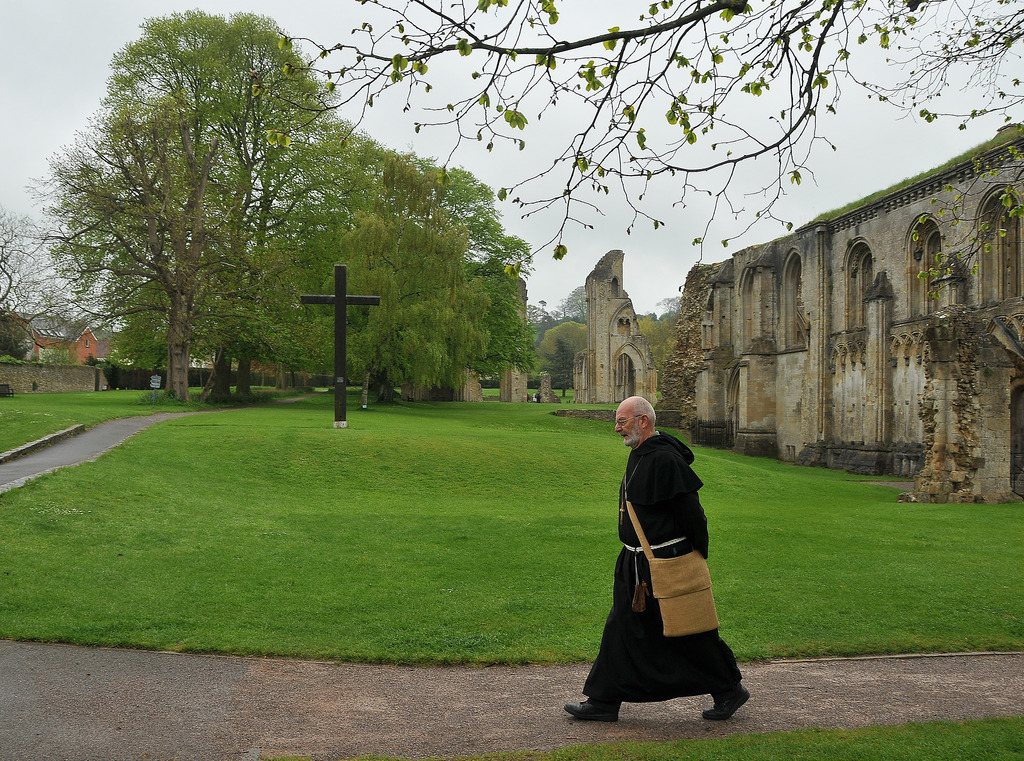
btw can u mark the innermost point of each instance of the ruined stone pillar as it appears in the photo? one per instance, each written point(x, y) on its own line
point(878, 309)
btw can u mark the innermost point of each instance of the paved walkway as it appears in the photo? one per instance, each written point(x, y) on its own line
point(64, 703)
point(81, 447)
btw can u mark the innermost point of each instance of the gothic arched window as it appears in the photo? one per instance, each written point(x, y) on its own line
point(749, 309)
point(860, 272)
point(1001, 264)
point(923, 256)
point(794, 318)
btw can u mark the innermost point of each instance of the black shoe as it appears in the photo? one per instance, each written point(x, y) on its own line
point(728, 704)
point(587, 711)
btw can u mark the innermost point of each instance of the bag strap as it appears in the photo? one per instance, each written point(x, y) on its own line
point(640, 532)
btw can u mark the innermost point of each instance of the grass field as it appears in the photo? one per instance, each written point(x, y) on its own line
point(28, 417)
point(989, 740)
point(470, 533)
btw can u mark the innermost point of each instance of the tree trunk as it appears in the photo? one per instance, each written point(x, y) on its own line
point(244, 383)
point(366, 388)
point(221, 374)
point(385, 388)
point(177, 352)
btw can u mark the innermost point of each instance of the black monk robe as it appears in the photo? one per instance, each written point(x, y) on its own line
point(637, 663)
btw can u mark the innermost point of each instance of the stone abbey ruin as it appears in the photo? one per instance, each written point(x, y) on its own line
point(836, 345)
point(617, 362)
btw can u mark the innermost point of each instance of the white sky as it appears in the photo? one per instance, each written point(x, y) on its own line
point(56, 55)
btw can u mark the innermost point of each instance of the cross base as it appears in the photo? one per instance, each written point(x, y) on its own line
point(341, 424)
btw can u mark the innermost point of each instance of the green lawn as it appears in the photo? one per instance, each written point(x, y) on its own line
point(988, 740)
point(470, 533)
point(28, 417)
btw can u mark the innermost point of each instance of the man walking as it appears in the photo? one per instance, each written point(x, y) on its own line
point(637, 663)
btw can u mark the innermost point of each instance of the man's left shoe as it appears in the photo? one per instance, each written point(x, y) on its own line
point(728, 704)
point(587, 711)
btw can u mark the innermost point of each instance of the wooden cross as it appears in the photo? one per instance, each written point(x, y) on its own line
point(341, 300)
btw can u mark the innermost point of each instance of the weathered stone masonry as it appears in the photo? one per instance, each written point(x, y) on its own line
point(617, 362)
point(825, 348)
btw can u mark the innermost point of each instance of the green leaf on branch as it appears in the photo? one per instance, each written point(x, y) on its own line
point(515, 119)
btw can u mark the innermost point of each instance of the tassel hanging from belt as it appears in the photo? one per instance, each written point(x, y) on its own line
point(640, 591)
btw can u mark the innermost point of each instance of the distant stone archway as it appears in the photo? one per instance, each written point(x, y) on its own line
point(617, 362)
point(625, 378)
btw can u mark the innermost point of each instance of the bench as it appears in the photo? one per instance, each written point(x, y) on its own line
point(6, 390)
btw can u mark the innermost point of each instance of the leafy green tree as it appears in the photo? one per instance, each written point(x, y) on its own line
point(408, 250)
point(558, 349)
point(174, 199)
point(472, 205)
point(574, 306)
point(541, 320)
point(130, 201)
point(667, 308)
point(660, 335)
point(13, 336)
point(689, 92)
point(509, 337)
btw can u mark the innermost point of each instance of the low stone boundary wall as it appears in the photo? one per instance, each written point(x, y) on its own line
point(666, 418)
point(26, 379)
point(605, 416)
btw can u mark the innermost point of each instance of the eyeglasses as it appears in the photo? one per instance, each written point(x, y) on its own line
point(620, 423)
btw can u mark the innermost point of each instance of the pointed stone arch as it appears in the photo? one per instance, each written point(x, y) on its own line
point(793, 315)
point(1001, 259)
point(924, 249)
point(617, 357)
point(860, 273)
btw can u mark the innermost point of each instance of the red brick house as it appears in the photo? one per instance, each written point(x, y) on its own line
point(79, 343)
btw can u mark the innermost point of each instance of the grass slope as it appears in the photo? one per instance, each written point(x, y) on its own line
point(470, 533)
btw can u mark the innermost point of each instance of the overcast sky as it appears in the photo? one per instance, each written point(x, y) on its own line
point(57, 55)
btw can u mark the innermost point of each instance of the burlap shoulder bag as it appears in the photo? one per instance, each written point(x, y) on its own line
point(682, 587)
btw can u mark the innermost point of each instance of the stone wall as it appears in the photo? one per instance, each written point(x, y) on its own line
point(679, 376)
point(829, 347)
point(26, 379)
point(547, 394)
point(617, 362)
point(605, 416)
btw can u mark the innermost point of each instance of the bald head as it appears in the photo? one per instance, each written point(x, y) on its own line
point(634, 421)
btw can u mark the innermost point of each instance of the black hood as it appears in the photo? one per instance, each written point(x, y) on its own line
point(659, 469)
point(660, 439)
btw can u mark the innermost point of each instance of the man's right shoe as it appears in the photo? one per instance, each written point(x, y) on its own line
point(728, 704)
point(587, 711)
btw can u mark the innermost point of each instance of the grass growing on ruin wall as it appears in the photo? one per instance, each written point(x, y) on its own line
point(470, 533)
point(999, 140)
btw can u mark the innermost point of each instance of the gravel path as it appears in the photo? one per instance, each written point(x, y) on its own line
point(65, 703)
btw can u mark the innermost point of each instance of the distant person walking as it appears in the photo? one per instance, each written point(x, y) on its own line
point(637, 663)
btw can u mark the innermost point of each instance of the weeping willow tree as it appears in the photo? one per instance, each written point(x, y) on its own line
point(408, 249)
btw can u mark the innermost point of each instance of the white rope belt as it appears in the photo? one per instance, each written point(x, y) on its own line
point(669, 543)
